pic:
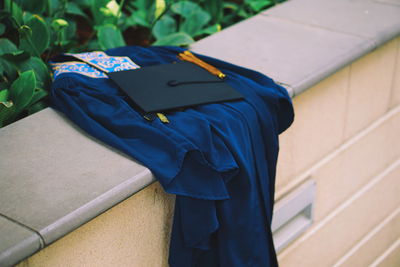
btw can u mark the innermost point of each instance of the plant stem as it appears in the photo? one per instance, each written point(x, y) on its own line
point(159, 17)
point(119, 11)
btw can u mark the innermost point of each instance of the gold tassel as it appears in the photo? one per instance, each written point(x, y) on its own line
point(162, 117)
point(188, 56)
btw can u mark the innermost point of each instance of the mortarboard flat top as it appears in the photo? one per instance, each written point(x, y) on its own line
point(171, 86)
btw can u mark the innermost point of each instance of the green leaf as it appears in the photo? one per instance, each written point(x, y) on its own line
point(16, 56)
point(39, 67)
point(53, 6)
point(36, 6)
point(163, 27)
point(257, 5)
point(85, 3)
point(215, 9)
point(108, 16)
point(2, 28)
point(7, 69)
point(7, 47)
point(109, 36)
point(243, 13)
point(21, 90)
point(185, 8)
point(142, 5)
point(6, 114)
point(73, 9)
point(4, 98)
point(38, 95)
point(195, 22)
point(210, 30)
point(177, 39)
point(138, 18)
point(27, 16)
point(231, 6)
point(4, 95)
point(10, 52)
point(159, 8)
point(40, 39)
point(37, 107)
point(95, 10)
point(14, 9)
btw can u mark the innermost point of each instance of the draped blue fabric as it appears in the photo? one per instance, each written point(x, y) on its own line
point(219, 159)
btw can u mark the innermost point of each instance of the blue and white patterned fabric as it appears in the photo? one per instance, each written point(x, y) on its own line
point(93, 64)
point(76, 67)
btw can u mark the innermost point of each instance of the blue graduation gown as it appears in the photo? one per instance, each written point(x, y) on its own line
point(219, 159)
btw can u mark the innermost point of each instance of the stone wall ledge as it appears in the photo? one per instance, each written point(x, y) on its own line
point(301, 42)
point(54, 177)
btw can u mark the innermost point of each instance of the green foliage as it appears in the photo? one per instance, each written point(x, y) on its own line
point(21, 95)
point(32, 31)
point(73, 8)
point(7, 47)
point(39, 68)
point(215, 9)
point(177, 38)
point(36, 39)
point(21, 90)
point(239, 10)
point(198, 19)
point(109, 36)
point(25, 77)
point(35, 7)
point(182, 22)
point(164, 27)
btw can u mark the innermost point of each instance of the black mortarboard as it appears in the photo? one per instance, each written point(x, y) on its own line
point(171, 86)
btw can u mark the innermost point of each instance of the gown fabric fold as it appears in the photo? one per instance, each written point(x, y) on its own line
point(218, 159)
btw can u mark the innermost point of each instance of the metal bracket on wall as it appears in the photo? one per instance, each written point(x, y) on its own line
point(293, 215)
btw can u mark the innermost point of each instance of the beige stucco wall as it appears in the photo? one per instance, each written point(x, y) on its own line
point(133, 233)
point(345, 137)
